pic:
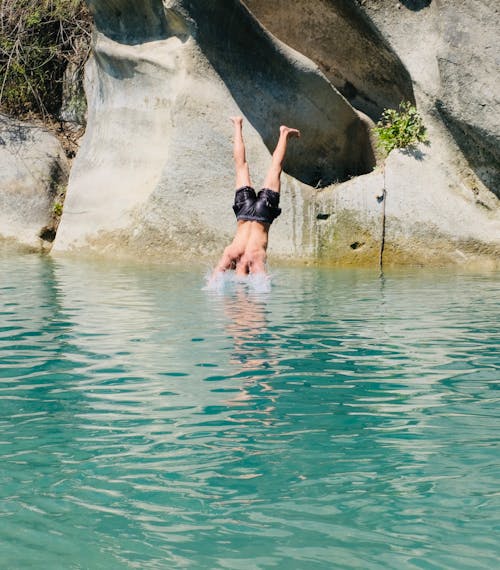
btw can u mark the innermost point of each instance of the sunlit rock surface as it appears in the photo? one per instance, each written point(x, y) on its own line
point(346, 45)
point(33, 170)
point(154, 173)
point(451, 49)
point(413, 210)
point(155, 168)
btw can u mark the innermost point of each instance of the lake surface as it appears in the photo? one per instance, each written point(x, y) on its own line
point(338, 420)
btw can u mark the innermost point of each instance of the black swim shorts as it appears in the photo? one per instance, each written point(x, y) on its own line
point(261, 207)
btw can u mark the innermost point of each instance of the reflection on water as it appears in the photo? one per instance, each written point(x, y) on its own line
point(246, 325)
point(336, 420)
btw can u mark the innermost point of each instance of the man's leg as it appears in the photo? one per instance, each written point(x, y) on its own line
point(235, 250)
point(240, 163)
point(272, 180)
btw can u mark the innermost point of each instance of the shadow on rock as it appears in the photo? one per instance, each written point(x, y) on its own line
point(273, 85)
point(416, 5)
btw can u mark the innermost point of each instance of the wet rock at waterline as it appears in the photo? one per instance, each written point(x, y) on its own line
point(452, 224)
point(414, 210)
point(33, 171)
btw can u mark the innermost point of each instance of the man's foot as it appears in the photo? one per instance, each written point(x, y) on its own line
point(238, 120)
point(289, 132)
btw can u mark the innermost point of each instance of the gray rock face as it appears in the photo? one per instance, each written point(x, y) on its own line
point(157, 151)
point(345, 43)
point(272, 84)
point(452, 50)
point(33, 168)
point(154, 173)
point(469, 63)
point(448, 224)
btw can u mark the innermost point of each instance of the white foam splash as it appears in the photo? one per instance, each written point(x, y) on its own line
point(260, 282)
point(220, 282)
point(215, 281)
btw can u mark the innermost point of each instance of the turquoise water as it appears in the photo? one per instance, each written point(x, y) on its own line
point(339, 420)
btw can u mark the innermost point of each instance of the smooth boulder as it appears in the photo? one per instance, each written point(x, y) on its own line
point(33, 172)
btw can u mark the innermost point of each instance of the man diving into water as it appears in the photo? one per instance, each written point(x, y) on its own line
point(254, 212)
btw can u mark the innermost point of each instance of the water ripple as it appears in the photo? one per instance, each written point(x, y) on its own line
point(334, 420)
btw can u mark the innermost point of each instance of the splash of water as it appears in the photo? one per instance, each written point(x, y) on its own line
point(220, 282)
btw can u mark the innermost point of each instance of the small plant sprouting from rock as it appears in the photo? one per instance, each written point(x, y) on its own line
point(59, 196)
point(57, 208)
point(400, 128)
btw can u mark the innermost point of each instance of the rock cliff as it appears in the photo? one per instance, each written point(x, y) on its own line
point(442, 204)
point(154, 172)
point(451, 49)
point(33, 172)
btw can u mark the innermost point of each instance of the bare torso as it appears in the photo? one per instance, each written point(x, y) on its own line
point(253, 259)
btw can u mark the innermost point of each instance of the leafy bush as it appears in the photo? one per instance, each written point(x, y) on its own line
point(38, 38)
point(400, 128)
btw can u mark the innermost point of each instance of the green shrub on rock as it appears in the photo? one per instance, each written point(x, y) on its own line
point(38, 38)
point(57, 208)
point(400, 128)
